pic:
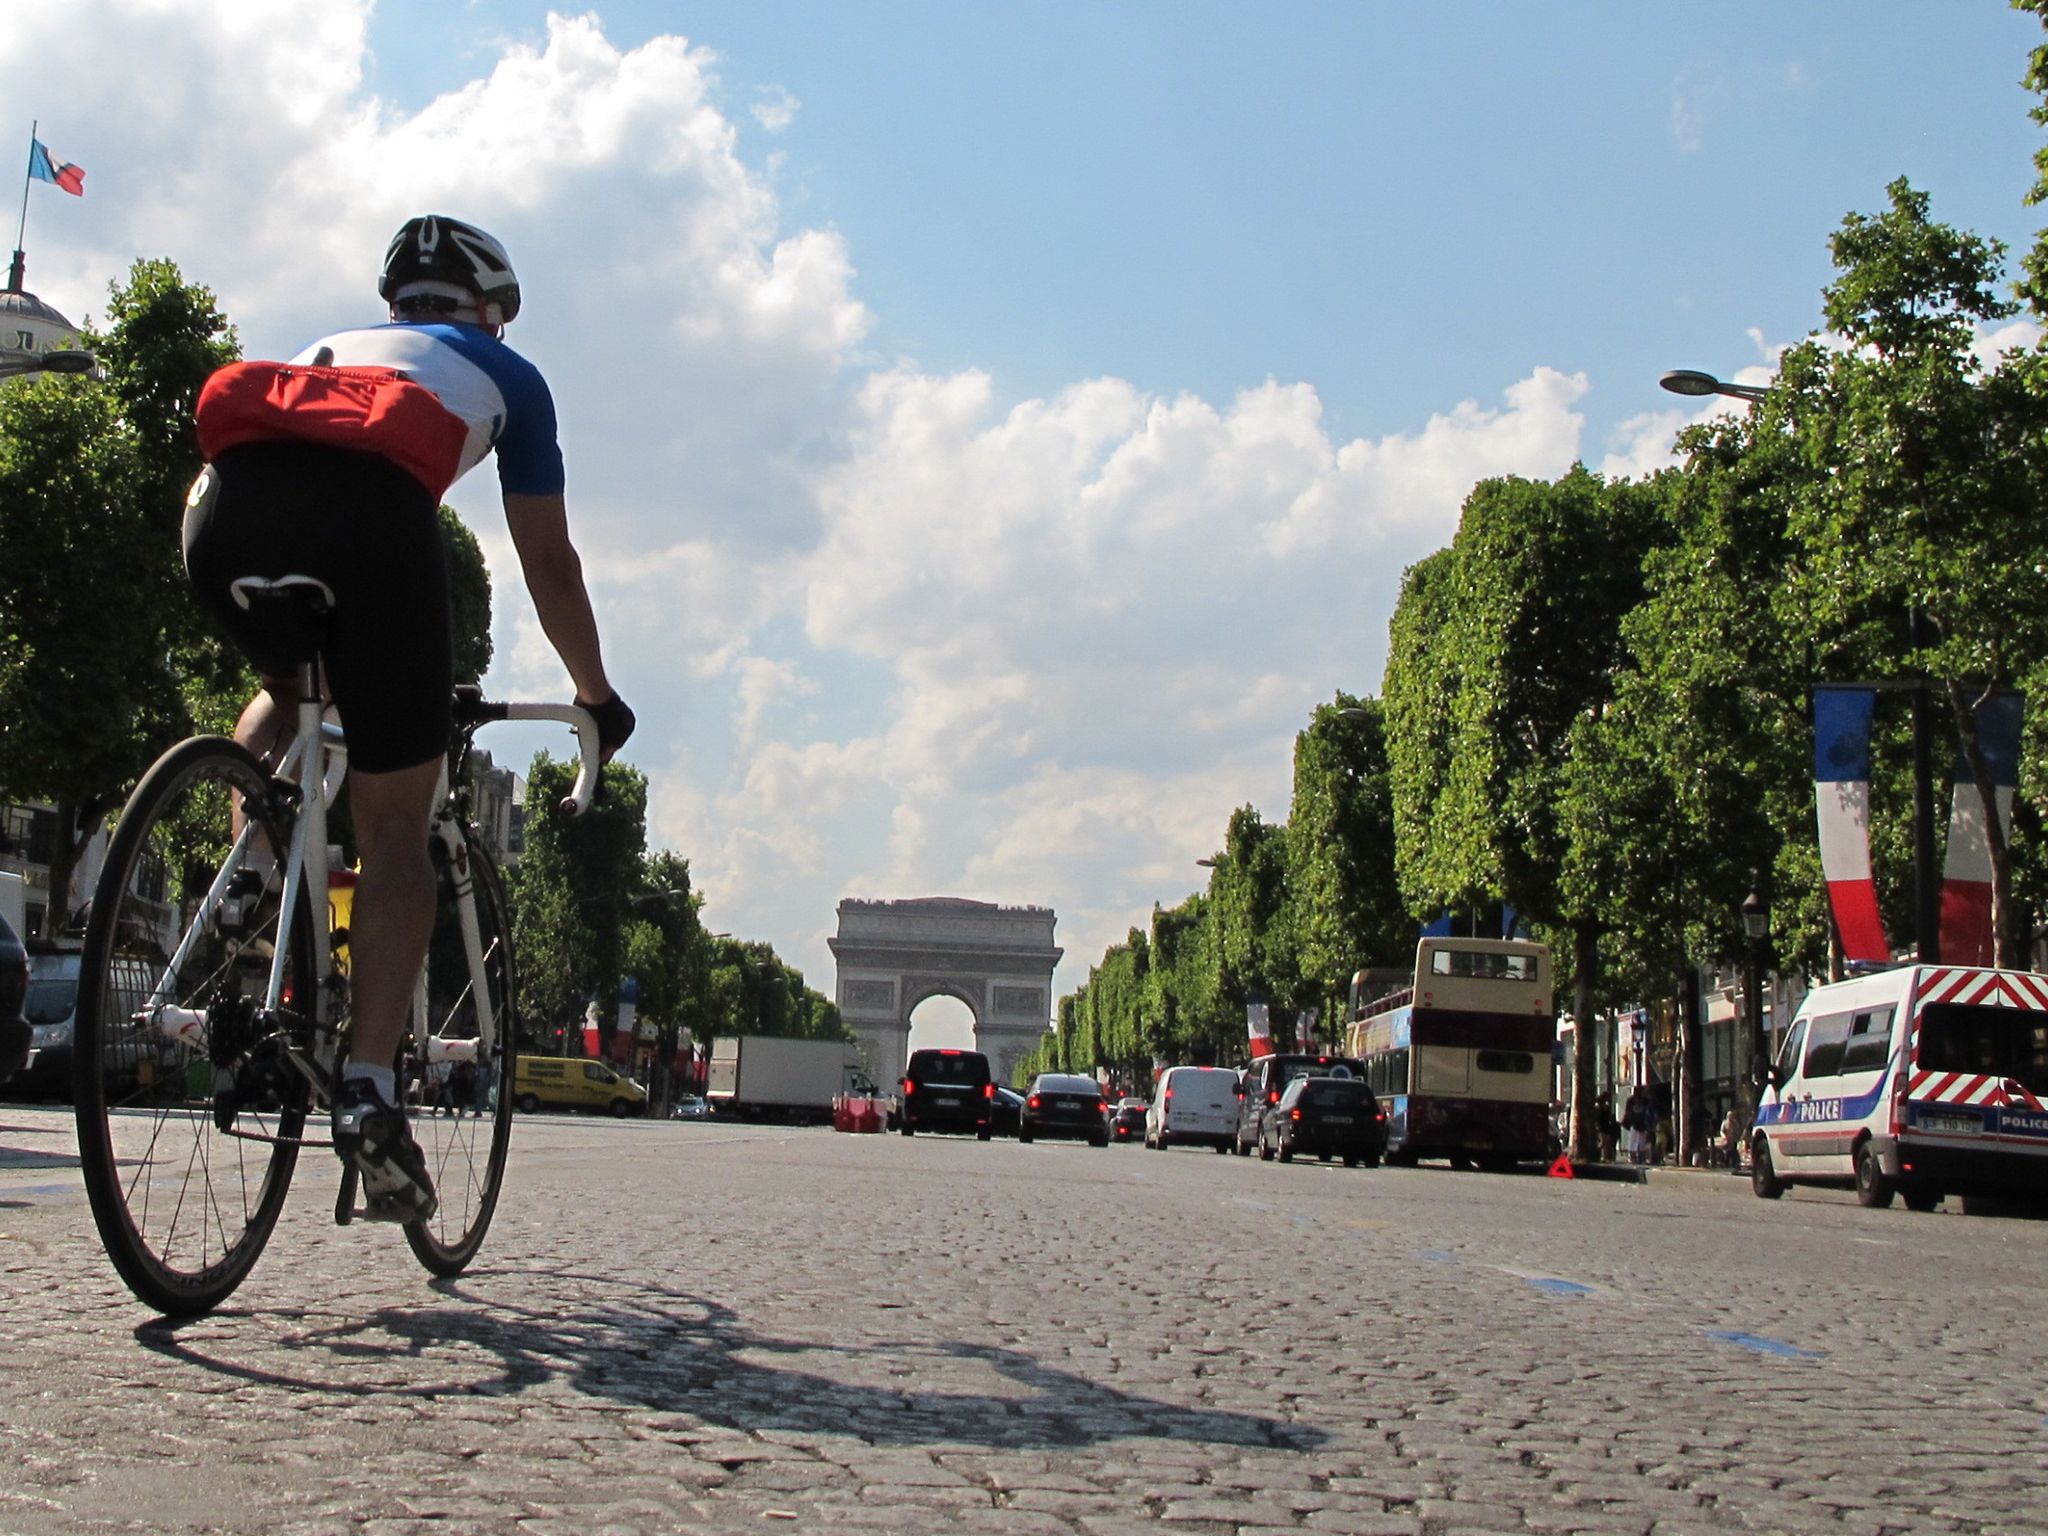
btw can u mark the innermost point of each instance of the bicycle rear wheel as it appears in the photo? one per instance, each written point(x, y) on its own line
point(187, 1142)
point(459, 1094)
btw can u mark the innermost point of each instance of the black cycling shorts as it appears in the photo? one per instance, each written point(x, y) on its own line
point(373, 534)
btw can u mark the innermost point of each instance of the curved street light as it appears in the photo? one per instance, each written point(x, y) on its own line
point(1690, 381)
point(14, 363)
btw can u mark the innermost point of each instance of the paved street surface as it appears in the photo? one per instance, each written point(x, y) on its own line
point(685, 1327)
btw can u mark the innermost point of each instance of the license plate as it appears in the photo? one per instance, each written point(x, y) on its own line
point(1953, 1125)
point(1336, 1119)
point(946, 1103)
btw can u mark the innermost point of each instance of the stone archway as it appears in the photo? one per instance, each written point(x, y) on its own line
point(998, 960)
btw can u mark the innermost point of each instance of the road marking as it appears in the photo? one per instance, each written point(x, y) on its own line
point(1761, 1345)
point(1558, 1287)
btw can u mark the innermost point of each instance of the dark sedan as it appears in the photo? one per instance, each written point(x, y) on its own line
point(1063, 1104)
point(1005, 1107)
point(1328, 1117)
point(1127, 1120)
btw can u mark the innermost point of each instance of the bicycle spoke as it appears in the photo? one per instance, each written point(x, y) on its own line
point(183, 1212)
point(463, 1121)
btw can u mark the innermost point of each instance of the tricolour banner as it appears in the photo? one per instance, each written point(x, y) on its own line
point(1966, 871)
point(1841, 788)
point(1305, 1029)
point(1258, 1027)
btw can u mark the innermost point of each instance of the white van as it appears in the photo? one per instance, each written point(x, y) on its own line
point(1193, 1104)
point(1920, 1082)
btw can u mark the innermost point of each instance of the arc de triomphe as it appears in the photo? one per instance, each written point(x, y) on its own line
point(997, 960)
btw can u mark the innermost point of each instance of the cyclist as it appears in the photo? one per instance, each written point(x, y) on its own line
point(333, 467)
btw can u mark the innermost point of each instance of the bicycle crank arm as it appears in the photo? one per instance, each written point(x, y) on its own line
point(345, 1201)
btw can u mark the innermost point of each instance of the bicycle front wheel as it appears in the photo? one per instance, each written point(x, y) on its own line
point(459, 1086)
point(189, 1116)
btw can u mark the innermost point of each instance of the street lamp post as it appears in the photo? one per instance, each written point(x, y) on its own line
point(1756, 928)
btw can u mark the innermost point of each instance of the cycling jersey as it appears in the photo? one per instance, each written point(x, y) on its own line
point(500, 399)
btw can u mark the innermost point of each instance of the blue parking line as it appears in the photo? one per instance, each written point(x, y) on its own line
point(1761, 1345)
point(1436, 1256)
point(1560, 1287)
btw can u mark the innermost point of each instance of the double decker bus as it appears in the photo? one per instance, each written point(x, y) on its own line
point(1460, 1059)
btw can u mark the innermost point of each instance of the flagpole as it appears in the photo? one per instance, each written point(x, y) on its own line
point(16, 272)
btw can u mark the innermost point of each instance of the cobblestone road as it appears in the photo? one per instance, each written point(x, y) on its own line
point(708, 1328)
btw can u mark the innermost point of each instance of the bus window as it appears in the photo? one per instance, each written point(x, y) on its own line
point(1505, 1061)
point(1486, 965)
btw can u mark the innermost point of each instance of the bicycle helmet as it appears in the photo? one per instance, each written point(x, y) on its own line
point(436, 257)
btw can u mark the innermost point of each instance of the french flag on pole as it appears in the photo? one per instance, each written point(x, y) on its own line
point(1966, 871)
point(1841, 789)
point(1258, 1026)
point(44, 166)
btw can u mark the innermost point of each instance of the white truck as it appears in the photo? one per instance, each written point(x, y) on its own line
point(14, 903)
point(765, 1077)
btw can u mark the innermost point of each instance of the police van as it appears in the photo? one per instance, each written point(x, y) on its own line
point(1919, 1082)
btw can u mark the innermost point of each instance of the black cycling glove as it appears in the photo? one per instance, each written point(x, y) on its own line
point(614, 722)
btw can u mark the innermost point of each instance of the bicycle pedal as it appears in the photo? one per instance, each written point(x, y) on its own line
point(388, 1208)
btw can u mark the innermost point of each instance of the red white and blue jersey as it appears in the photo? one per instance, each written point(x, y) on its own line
point(497, 397)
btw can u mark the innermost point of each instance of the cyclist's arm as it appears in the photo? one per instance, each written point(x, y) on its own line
point(554, 576)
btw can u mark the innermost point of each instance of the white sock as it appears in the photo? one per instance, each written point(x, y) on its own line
point(383, 1079)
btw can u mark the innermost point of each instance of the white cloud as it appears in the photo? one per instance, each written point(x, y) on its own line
point(1695, 95)
point(883, 637)
point(775, 109)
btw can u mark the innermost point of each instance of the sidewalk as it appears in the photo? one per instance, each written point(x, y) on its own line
point(1669, 1175)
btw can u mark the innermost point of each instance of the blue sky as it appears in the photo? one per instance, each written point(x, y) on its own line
point(993, 427)
point(1391, 201)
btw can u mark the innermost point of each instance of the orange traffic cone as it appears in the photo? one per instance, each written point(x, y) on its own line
point(1562, 1168)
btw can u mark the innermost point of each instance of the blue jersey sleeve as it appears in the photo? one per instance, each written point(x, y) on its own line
point(529, 452)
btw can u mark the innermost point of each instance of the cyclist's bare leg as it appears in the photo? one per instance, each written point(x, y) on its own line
point(266, 727)
point(269, 719)
point(393, 916)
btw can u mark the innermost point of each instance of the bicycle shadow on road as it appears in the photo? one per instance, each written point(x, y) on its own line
point(673, 1353)
point(50, 1146)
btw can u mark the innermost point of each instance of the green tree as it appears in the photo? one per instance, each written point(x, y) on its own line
point(1251, 951)
point(469, 598)
point(164, 339)
point(1501, 647)
point(83, 676)
point(1195, 1022)
point(668, 954)
point(573, 900)
point(1920, 541)
point(1345, 906)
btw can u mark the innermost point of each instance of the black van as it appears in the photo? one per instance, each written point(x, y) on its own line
point(1267, 1078)
point(946, 1090)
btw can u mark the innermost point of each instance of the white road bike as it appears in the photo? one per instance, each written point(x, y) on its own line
point(213, 1005)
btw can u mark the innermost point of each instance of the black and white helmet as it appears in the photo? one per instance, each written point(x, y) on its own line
point(436, 257)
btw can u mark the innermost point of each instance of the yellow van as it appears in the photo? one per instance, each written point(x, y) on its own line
point(575, 1082)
